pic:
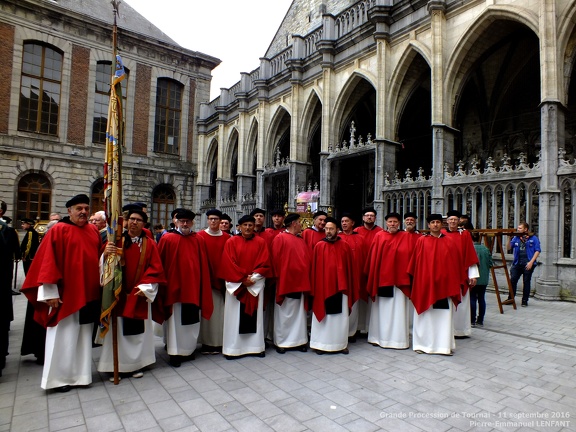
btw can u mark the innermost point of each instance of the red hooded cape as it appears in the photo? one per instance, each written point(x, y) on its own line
point(291, 262)
point(387, 263)
point(215, 248)
point(368, 234)
point(433, 278)
point(133, 306)
point(311, 237)
point(240, 259)
point(69, 257)
point(185, 261)
point(332, 272)
point(467, 254)
point(359, 253)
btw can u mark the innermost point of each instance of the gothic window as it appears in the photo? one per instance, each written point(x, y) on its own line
point(102, 100)
point(163, 202)
point(168, 113)
point(97, 198)
point(567, 225)
point(34, 193)
point(40, 89)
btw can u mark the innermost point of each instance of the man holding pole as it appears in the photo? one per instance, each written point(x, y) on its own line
point(141, 273)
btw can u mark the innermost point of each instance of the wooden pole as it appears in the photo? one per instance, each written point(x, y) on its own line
point(115, 5)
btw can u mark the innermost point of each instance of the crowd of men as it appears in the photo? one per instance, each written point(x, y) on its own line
point(233, 294)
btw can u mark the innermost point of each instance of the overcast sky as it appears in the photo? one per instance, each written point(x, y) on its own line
point(238, 32)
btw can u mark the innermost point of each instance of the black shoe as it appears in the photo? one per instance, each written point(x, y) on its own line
point(345, 351)
point(63, 389)
point(524, 304)
point(319, 352)
point(281, 350)
point(175, 361)
point(479, 324)
point(227, 357)
point(302, 348)
point(261, 355)
point(16, 292)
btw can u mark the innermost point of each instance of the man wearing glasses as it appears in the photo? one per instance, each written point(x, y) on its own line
point(369, 228)
point(141, 275)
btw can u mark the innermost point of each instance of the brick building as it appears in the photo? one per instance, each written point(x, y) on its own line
point(55, 63)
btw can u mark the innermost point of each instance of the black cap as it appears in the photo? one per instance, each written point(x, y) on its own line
point(369, 210)
point(410, 214)
point(141, 204)
point(176, 210)
point(319, 213)
point(7, 219)
point(214, 212)
point(393, 215)
point(78, 199)
point(331, 219)
point(453, 213)
point(247, 218)
point(278, 212)
point(256, 211)
point(433, 217)
point(140, 212)
point(185, 214)
point(348, 215)
point(226, 217)
point(291, 218)
point(132, 206)
point(27, 220)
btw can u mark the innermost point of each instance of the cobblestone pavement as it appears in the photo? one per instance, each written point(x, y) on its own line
point(515, 374)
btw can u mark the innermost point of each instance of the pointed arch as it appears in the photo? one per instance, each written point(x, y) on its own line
point(251, 149)
point(405, 76)
point(347, 100)
point(278, 133)
point(231, 154)
point(462, 60)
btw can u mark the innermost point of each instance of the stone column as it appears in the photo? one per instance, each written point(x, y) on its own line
point(297, 176)
point(552, 121)
point(442, 152)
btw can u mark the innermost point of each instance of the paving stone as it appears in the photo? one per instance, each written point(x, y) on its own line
point(137, 421)
point(212, 422)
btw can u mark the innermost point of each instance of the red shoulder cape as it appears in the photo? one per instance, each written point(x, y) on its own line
point(291, 262)
point(387, 263)
point(433, 278)
point(311, 236)
point(215, 249)
point(69, 257)
point(359, 253)
point(129, 304)
point(332, 272)
point(185, 261)
point(467, 254)
point(368, 234)
point(240, 259)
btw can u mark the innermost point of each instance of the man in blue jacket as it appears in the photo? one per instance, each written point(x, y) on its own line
point(526, 248)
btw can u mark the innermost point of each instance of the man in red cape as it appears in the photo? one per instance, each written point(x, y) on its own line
point(389, 286)
point(142, 273)
point(63, 285)
point(269, 235)
point(435, 290)
point(188, 291)
point(369, 228)
point(245, 266)
point(315, 233)
point(332, 286)
point(291, 261)
point(466, 258)
point(211, 331)
point(359, 296)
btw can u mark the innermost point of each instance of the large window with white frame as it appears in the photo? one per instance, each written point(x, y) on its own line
point(40, 88)
point(168, 116)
